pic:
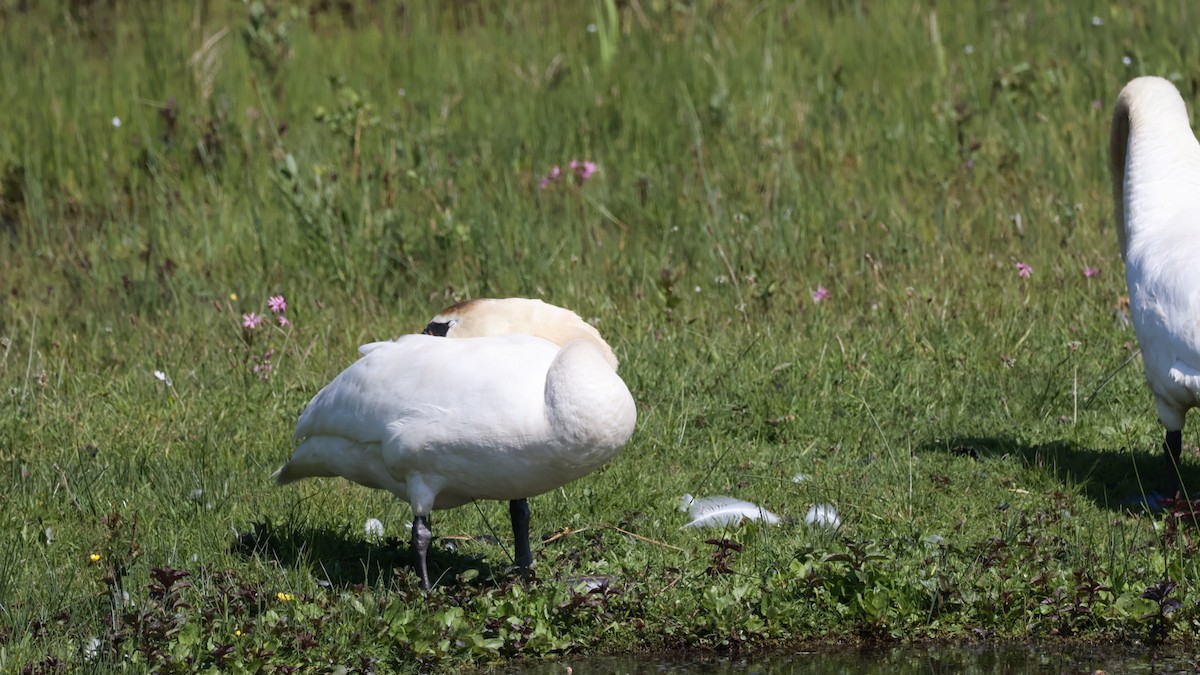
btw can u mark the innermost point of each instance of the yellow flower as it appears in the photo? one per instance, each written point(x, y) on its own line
point(237, 633)
point(233, 297)
point(95, 557)
point(284, 597)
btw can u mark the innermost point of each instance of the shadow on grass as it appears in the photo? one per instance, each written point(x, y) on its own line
point(345, 562)
point(1119, 480)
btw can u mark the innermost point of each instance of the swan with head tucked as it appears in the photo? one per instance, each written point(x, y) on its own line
point(1155, 163)
point(524, 400)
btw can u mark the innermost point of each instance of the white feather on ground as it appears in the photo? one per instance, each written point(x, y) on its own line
point(823, 515)
point(373, 528)
point(721, 511)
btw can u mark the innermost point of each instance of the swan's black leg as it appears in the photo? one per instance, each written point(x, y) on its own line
point(1172, 449)
point(518, 510)
point(421, 536)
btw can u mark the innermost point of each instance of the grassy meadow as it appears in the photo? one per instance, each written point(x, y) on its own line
point(802, 241)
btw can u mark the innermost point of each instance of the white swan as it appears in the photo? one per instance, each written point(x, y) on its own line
point(440, 423)
point(1156, 194)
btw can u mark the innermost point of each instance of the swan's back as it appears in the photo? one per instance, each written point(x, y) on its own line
point(418, 377)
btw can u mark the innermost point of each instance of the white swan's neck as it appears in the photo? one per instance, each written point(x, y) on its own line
point(1155, 159)
point(587, 403)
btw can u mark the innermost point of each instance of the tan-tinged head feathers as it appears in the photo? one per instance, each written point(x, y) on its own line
point(498, 316)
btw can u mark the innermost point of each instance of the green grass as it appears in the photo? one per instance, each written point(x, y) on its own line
point(976, 431)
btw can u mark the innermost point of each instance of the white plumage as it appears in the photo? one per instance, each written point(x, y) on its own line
point(1156, 194)
point(441, 422)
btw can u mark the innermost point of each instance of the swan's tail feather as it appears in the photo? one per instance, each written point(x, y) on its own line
point(286, 474)
point(317, 457)
point(327, 456)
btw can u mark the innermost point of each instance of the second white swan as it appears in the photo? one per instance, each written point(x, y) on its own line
point(1155, 164)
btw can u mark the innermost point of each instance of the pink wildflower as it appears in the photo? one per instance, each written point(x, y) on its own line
point(1090, 271)
point(1024, 270)
point(555, 174)
point(283, 321)
point(820, 294)
point(277, 304)
point(252, 320)
point(583, 170)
